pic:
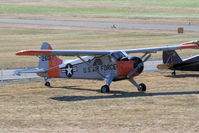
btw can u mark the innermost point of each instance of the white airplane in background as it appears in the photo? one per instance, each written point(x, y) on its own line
point(110, 65)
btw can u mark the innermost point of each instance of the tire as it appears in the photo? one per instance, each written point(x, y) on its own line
point(105, 89)
point(142, 87)
point(47, 84)
point(173, 73)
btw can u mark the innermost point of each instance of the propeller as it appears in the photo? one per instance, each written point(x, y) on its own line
point(139, 66)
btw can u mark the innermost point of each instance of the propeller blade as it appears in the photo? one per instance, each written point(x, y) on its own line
point(134, 70)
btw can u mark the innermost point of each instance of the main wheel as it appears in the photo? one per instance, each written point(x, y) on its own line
point(47, 84)
point(173, 73)
point(105, 89)
point(142, 87)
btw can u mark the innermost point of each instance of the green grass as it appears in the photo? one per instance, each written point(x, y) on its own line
point(152, 3)
point(59, 10)
point(99, 12)
point(161, 3)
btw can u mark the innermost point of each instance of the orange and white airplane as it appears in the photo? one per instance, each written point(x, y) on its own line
point(110, 65)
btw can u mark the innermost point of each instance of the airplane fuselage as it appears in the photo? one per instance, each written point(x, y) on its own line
point(190, 64)
point(90, 67)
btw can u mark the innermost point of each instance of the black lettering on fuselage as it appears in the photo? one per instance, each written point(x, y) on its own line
point(99, 68)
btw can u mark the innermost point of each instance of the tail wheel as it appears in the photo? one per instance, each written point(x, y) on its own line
point(105, 89)
point(47, 84)
point(173, 73)
point(142, 87)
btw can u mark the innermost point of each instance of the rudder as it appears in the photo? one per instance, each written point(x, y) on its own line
point(171, 57)
point(45, 61)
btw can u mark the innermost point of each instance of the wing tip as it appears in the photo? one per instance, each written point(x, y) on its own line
point(22, 52)
point(190, 46)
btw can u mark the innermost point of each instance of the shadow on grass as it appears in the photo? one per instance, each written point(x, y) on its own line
point(183, 75)
point(76, 88)
point(116, 94)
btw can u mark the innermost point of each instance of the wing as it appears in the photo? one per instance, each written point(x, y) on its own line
point(63, 52)
point(98, 53)
point(165, 48)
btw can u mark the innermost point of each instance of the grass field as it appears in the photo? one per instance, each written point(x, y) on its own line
point(165, 3)
point(169, 105)
point(181, 9)
point(98, 12)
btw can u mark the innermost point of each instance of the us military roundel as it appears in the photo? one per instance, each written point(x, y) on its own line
point(69, 70)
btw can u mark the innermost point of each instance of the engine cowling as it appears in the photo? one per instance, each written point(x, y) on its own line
point(133, 66)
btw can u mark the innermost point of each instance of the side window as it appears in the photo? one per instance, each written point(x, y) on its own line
point(97, 62)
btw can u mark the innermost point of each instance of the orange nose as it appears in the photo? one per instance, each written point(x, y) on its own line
point(125, 67)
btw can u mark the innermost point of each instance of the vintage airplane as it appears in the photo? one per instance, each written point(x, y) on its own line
point(172, 61)
point(110, 65)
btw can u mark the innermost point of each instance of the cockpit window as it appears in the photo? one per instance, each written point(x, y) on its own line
point(118, 55)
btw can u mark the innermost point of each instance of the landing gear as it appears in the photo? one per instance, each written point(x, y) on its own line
point(105, 89)
point(173, 73)
point(47, 84)
point(138, 68)
point(141, 87)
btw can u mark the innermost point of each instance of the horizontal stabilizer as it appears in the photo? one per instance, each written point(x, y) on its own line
point(164, 66)
point(29, 70)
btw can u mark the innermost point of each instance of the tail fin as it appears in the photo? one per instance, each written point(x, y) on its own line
point(171, 57)
point(46, 62)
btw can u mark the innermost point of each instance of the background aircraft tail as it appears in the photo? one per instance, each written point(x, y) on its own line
point(171, 57)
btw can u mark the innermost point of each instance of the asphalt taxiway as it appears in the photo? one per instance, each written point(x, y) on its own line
point(101, 24)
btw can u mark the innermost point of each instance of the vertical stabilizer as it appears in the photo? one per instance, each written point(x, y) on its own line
point(171, 57)
point(46, 62)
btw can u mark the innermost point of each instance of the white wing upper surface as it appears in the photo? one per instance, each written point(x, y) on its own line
point(98, 53)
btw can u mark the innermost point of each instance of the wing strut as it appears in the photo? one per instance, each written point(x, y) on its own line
point(145, 57)
point(91, 66)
